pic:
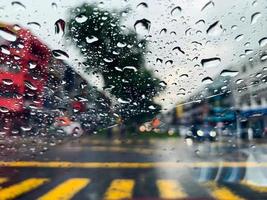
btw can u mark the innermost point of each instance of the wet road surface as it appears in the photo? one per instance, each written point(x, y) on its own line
point(88, 168)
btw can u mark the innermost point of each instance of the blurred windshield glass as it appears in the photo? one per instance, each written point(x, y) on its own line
point(152, 66)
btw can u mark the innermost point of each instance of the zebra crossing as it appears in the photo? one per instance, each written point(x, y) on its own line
point(119, 189)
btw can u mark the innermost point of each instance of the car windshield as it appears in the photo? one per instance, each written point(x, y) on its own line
point(133, 99)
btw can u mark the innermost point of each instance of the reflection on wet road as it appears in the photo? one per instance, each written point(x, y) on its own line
point(139, 169)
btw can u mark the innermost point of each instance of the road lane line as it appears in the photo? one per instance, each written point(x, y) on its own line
point(18, 189)
point(120, 189)
point(66, 164)
point(66, 190)
point(170, 189)
point(3, 180)
point(255, 187)
point(221, 192)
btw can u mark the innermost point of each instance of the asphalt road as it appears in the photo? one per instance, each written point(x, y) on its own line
point(89, 168)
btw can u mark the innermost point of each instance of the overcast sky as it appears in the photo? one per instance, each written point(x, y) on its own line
point(242, 18)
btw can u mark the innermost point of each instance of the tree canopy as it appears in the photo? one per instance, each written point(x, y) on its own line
point(118, 54)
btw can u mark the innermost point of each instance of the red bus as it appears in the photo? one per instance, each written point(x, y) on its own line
point(23, 71)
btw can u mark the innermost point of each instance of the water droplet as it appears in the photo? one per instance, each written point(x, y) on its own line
point(159, 61)
point(151, 107)
point(32, 64)
point(91, 39)
point(142, 26)
point(118, 69)
point(197, 43)
point(258, 75)
point(130, 68)
point(30, 85)
point(210, 62)
point(254, 3)
point(7, 81)
point(4, 49)
point(54, 5)
point(124, 101)
point(172, 33)
point(215, 29)
point(234, 27)
point(184, 76)
point(60, 27)
point(4, 110)
point(248, 51)
point(230, 73)
point(7, 34)
point(263, 41)
point(108, 60)
point(59, 54)
point(239, 37)
point(34, 25)
point(163, 31)
point(77, 132)
point(200, 22)
point(178, 49)
point(162, 83)
point(176, 11)
point(26, 128)
point(18, 4)
point(169, 62)
point(247, 44)
point(264, 57)
point(207, 80)
point(121, 44)
point(189, 141)
point(238, 81)
point(255, 17)
point(81, 18)
point(208, 5)
point(242, 19)
point(142, 5)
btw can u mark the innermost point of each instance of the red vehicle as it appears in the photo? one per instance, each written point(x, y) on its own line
point(23, 72)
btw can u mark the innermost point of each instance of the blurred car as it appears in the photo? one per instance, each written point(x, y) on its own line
point(69, 127)
point(203, 132)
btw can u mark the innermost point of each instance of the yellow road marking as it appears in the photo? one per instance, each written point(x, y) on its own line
point(222, 192)
point(65, 164)
point(120, 189)
point(3, 180)
point(170, 189)
point(18, 189)
point(66, 190)
point(253, 186)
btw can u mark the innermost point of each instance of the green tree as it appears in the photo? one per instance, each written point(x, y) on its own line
point(118, 54)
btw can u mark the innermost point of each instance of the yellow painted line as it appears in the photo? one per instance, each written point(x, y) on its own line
point(3, 180)
point(170, 189)
point(253, 186)
point(18, 189)
point(66, 190)
point(221, 192)
point(120, 189)
point(65, 164)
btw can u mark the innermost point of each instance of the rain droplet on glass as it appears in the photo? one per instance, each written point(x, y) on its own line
point(210, 62)
point(142, 26)
point(59, 54)
point(60, 26)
